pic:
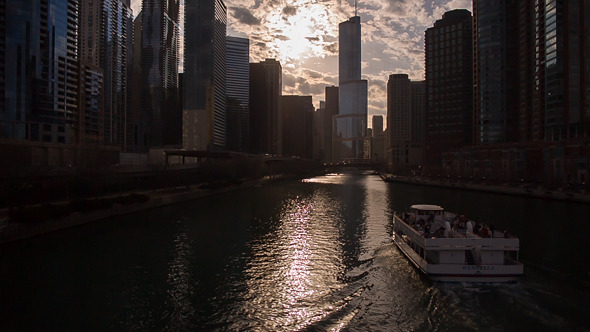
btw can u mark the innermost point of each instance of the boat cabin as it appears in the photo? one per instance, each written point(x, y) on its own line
point(427, 212)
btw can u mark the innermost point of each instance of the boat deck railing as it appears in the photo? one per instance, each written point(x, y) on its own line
point(457, 236)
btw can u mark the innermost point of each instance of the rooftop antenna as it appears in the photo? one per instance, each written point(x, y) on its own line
point(355, 12)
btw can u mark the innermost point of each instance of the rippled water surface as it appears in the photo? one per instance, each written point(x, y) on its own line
point(306, 255)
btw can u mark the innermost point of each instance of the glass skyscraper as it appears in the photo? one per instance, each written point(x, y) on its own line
point(238, 93)
point(39, 78)
point(204, 111)
point(351, 122)
point(562, 35)
point(161, 120)
point(106, 27)
point(495, 58)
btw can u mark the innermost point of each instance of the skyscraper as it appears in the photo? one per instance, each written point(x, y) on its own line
point(161, 122)
point(351, 121)
point(405, 122)
point(297, 112)
point(377, 124)
point(238, 93)
point(449, 84)
point(326, 125)
point(562, 35)
point(105, 27)
point(379, 146)
point(39, 77)
point(495, 71)
point(204, 122)
point(266, 87)
point(90, 124)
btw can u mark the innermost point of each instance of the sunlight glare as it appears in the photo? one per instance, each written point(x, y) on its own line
point(300, 36)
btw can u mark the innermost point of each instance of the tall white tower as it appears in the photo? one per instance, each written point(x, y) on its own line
point(351, 122)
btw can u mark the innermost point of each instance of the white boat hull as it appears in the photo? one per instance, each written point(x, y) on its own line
point(501, 273)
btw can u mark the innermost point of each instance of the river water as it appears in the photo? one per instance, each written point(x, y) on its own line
point(303, 255)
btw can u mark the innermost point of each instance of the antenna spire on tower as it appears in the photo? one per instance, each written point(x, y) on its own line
point(355, 4)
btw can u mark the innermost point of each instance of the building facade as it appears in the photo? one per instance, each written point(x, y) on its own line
point(326, 124)
point(562, 35)
point(449, 85)
point(204, 111)
point(297, 113)
point(377, 124)
point(495, 32)
point(90, 124)
point(266, 87)
point(351, 122)
point(238, 93)
point(161, 122)
point(39, 70)
point(531, 64)
point(405, 123)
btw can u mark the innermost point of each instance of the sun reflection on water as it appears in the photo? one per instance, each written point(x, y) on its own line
point(297, 266)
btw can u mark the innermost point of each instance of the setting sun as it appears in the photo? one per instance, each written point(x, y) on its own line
point(299, 31)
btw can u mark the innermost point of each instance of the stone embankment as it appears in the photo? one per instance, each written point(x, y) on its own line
point(116, 205)
point(527, 191)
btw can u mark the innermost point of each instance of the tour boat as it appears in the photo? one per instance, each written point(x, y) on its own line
point(450, 248)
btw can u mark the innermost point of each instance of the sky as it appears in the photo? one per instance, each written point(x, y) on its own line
point(303, 36)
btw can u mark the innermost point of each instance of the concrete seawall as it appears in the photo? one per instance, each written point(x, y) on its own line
point(506, 190)
point(17, 231)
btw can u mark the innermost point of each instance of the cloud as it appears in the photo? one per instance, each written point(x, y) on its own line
point(289, 11)
point(331, 48)
point(392, 39)
point(244, 16)
point(398, 7)
point(281, 37)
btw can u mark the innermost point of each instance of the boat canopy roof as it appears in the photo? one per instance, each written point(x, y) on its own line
point(427, 207)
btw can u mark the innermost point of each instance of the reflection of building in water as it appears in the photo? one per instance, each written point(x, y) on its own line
point(350, 124)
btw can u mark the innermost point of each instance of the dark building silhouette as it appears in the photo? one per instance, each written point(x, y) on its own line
point(90, 124)
point(418, 92)
point(377, 124)
point(449, 85)
point(326, 124)
point(265, 117)
point(297, 123)
point(379, 141)
point(204, 118)
point(562, 58)
point(161, 123)
point(531, 100)
point(238, 93)
point(495, 73)
point(105, 39)
point(39, 70)
point(529, 122)
point(405, 122)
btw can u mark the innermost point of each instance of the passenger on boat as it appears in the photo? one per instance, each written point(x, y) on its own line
point(485, 232)
point(469, 226)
